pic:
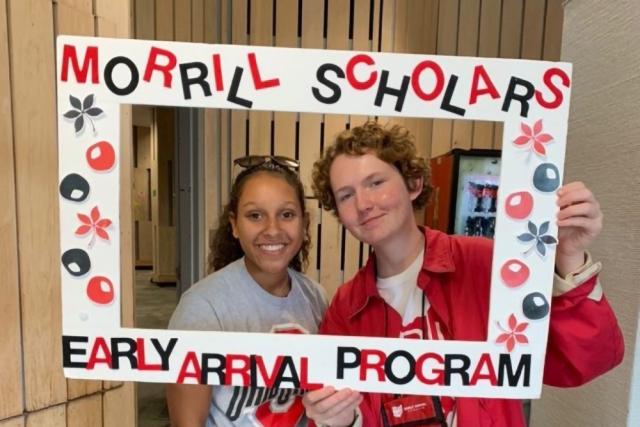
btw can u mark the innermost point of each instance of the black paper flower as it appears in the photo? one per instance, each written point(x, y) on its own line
point(83, 110)
point(538, 238)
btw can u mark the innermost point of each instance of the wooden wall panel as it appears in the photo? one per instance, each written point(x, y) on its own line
point(553, 30)
point(75, 20)
point(164, 20)
point(260, 34)
point(286, 35)
point(310, 126)
point(468, 23)
point(13, 422)
point(488, 46)
point(11, 403)
point(54, 416)
point(239, 118)
point(85, 412)
point(510, 42)
point(446, 45)
point(182, 20)
point(145, 13)
point(197, 21)
point(533, 29)
point(119, 406)
point(32, 68)
point(338, 17)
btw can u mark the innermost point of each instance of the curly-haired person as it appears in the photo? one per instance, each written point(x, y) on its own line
point(421, 283)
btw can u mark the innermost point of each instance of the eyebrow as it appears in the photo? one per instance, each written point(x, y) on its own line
point(369, 177)
point(286, 203)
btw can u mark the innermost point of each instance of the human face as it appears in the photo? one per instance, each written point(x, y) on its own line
point(372, 199)
point(269, 224)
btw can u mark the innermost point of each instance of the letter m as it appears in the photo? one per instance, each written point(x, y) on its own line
point(69, 55)
point(506, 368)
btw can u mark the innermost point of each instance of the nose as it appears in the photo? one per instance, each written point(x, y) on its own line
point(363, 201)
point(272, 226)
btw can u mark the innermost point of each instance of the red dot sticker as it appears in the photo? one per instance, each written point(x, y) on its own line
point(101, 156)
point(514, 273)
point(519, 205)
point(100, 290)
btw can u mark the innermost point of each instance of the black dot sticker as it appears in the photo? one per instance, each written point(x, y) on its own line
point(546, 177)
point(535, 306)
point(74, 187)
point(76, 262)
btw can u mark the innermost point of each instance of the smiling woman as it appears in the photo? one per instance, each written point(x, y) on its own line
point(259, 250)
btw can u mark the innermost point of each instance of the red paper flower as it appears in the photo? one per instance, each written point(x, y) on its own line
point(514, 335)
point(533, 138)
point(93, 225)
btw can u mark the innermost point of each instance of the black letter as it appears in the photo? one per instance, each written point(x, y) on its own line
point(164, 354)
point(128, 353)
point(384, 89)
point(320, 75)
point(462, 370)
point(524, 99)
point(342, 364)
point(204, 378)
point(448, 94)
point(389, 371)
point(287, 362)
point(188, 81)
point(108, 71)
point(67, 351)
point(504, 364)
point(233, 91)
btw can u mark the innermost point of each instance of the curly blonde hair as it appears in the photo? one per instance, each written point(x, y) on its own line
point(394, 145)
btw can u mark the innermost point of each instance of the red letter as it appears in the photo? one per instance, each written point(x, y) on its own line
point(255, 73)
point(142, 364)
point(377, 366)
point(242, 370)
point(478, 375)
point(415, 80)
point(152, 65)
point(190, 359)
point(90, 60)
point(351, 78)
point(439, 378)
point(262, 370)
point(304, 378)
point(100, 344)
point(489, 88)
point(557, 100)
point(217, 72)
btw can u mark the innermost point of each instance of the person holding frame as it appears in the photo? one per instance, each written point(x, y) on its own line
point(258, 253)
point(421, 283)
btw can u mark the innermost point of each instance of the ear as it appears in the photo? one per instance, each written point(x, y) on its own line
point(234, 226)
point(415, 187)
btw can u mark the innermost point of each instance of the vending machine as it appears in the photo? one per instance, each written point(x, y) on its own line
point(465, 190)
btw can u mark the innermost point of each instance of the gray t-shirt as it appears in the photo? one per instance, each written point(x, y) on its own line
point(231, 300)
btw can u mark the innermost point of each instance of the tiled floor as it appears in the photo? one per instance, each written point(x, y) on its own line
point(154, 305)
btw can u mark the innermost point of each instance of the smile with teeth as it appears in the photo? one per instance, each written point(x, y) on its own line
point(272, 247)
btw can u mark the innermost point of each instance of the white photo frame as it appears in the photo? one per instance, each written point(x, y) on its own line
point(531, 98)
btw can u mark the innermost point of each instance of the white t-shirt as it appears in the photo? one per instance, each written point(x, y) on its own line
point(402, 293)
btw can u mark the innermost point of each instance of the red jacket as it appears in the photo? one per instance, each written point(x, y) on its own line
point(584, 338)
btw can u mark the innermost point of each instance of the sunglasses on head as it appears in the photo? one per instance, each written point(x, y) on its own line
point(252, 161)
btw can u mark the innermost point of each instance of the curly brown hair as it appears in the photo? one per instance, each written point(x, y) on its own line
point(394, 145)
point(225, 248)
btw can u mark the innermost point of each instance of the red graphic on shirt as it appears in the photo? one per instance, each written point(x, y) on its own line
point(274, 414)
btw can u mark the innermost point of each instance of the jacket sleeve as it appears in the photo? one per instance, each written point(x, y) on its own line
point(585, 340)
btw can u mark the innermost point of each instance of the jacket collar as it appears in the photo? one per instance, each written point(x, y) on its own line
point(438, 259)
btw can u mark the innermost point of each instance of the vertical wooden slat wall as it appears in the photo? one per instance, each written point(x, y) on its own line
point(34, 390)
point(490, 28)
